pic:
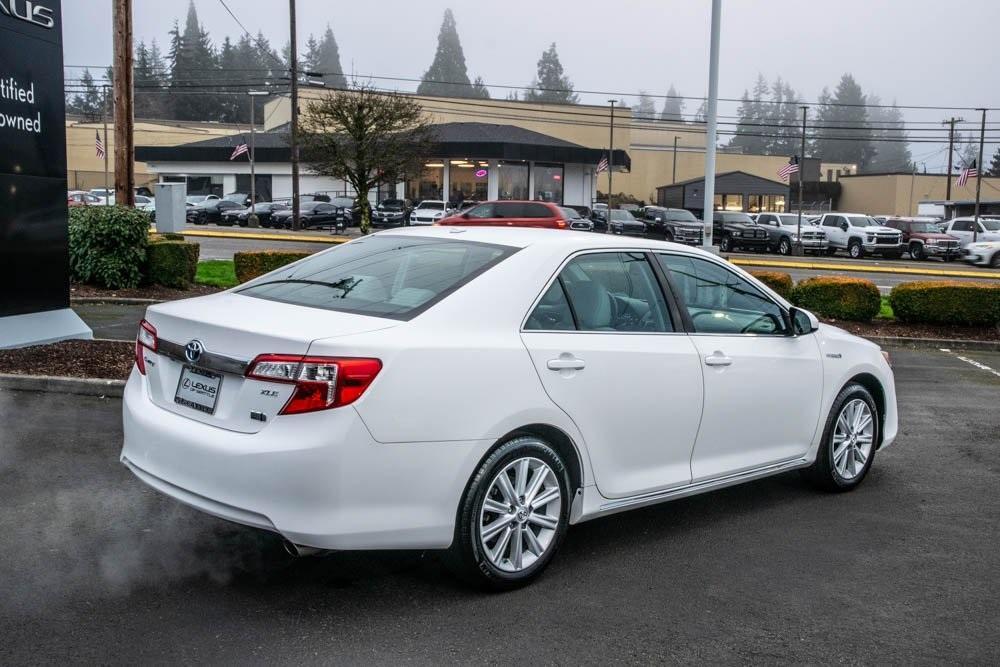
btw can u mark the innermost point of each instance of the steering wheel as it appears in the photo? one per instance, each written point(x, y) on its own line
point(766, 317)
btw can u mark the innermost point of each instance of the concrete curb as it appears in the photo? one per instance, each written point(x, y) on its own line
point(937, 343)
point(114, 301)
point(258, 236)
point(63, 385)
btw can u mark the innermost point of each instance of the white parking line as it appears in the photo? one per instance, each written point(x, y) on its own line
point(973, 362)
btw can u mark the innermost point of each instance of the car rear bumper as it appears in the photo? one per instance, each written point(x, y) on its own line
point(318, 479)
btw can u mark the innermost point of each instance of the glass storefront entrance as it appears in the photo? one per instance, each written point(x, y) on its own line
point(549, 182)
point(468, 180)
point(430, 183)
point(512, 180)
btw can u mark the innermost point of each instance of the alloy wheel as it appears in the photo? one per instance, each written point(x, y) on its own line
point(785, 248)
point(520, 514)
point(853, 438)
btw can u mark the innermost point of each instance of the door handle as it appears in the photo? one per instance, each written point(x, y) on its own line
point(565, 364)
point(718, 359)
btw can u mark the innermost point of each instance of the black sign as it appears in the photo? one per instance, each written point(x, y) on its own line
point(34, 261)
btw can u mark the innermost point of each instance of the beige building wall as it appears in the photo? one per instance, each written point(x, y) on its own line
point(899, 194)
point(650, 145)
point(84, 170)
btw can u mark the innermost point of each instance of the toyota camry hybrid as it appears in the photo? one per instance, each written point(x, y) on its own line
point(479, 390)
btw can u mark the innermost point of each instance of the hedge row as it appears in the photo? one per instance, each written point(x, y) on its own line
point(839, 297)
point(172, 263)
point(779, 281)
point(107, 245)
point(947, 302)
point(250, 265)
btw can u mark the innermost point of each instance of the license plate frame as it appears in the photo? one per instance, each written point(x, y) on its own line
point(210, 401)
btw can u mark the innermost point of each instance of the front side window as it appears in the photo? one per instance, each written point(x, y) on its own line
point(719, 301)
point(381, 275)
point(832, 221)
point(615, 292)
point(480, 212)
point(962, 226)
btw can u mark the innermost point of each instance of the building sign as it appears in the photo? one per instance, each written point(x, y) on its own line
point(34, 261)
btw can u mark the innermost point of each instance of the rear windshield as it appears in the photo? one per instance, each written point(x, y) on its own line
point(382, 275)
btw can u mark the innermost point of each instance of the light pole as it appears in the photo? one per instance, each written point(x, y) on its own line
point(252, 218)
point(713, 120)
point(951, 149)
point(611, 152)
point(797, 246)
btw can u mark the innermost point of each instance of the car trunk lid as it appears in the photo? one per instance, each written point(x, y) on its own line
point(231, 330)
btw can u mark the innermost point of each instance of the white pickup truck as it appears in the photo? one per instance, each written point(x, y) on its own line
point(961, 228)
point(861, 235)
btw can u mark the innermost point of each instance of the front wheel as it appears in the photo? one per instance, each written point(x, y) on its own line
point(785, 247)
point(849, 440)
point(725, 245)
point(995, 261)
point(855, 250)
point(917, 251)
point(513, 515)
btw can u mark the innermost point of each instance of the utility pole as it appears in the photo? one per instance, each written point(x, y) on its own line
point(124, 105)
point(979, 175)
point(611, 152)
point(673, 176)
point(797, 247)
point(712, 116)
point(107, 149)
point(951, 149)
point(294, 143)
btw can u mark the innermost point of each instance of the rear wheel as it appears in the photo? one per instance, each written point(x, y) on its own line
point(513, 515)
point(995, 261)
point(849, 439)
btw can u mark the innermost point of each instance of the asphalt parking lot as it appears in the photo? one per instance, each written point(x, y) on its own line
point(98, 569)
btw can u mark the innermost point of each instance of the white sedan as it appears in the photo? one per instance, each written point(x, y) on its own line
point(481, 389)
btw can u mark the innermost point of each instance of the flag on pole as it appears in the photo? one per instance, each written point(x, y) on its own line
point(99, 145)
point(242, 149)
point(791, 168)
point(602, 165)
point(967, 173)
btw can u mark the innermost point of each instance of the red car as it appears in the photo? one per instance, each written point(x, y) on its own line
point(511, 214)
point(923, 238)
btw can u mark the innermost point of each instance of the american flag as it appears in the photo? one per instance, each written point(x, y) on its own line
point(99, 145)
point(240, 150)
point(967, 173)
point(791, 168)
point(603, 164)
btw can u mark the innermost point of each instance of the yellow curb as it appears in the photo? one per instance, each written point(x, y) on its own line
point(865, 268)
point(268, 237)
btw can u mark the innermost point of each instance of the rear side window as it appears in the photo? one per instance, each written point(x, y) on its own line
point(382, 276)
point(608, 292)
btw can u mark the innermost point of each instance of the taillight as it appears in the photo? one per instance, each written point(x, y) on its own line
point(320, 382)
point(561, 224)
point(145, 338)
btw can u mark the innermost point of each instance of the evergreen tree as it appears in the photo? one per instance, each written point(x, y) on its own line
point(550, 84)
point(702, 112)
point(994, 168)
point(673, 106)
point(230, 103)
point(645, 109)
point(149, 72)
point(326, 59)
point(479, 89)
point(784, 111)
point(192, 59)
point(891, 152)
point(447, 76)
point(967, 147)
point(90, 102)
point(842, 125)
point(753, 113)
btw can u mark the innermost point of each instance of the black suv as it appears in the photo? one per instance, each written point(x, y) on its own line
point(392, 213)
point(732, 231)
point(674, 224)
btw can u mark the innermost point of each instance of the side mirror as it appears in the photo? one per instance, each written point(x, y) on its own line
point(465, 215)
point(659, 219)
point(803, 322)
point(843, 226)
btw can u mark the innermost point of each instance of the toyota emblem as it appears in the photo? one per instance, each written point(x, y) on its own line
point(193, 350)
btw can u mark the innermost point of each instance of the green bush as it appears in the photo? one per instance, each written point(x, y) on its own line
point(250, 265)
point(839, 297)
point(172, 263)
point(107, 245)
point(779, 281)
point(946, 302)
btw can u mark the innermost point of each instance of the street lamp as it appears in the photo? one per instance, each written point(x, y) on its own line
point(252, 220)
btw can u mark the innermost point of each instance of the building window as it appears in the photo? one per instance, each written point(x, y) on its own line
point(263, 187)
point(512, 180)
point(728, 202)
point(549, 182)
point(204, 185)
point(757, 203)
point(430, 183)
point(468, 180)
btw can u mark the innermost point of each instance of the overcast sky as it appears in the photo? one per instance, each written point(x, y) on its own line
point(917, 52)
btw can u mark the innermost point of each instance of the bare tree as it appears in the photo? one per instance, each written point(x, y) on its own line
point(365, 137)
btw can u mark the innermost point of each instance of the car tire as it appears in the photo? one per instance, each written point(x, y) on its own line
point(669, 236)
point(508, 548)
point(830, 252)
point(855, 249)
point(840, 467)
point(784, 246)
point(725, 244)
point(995, 260)
point(917, 251)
